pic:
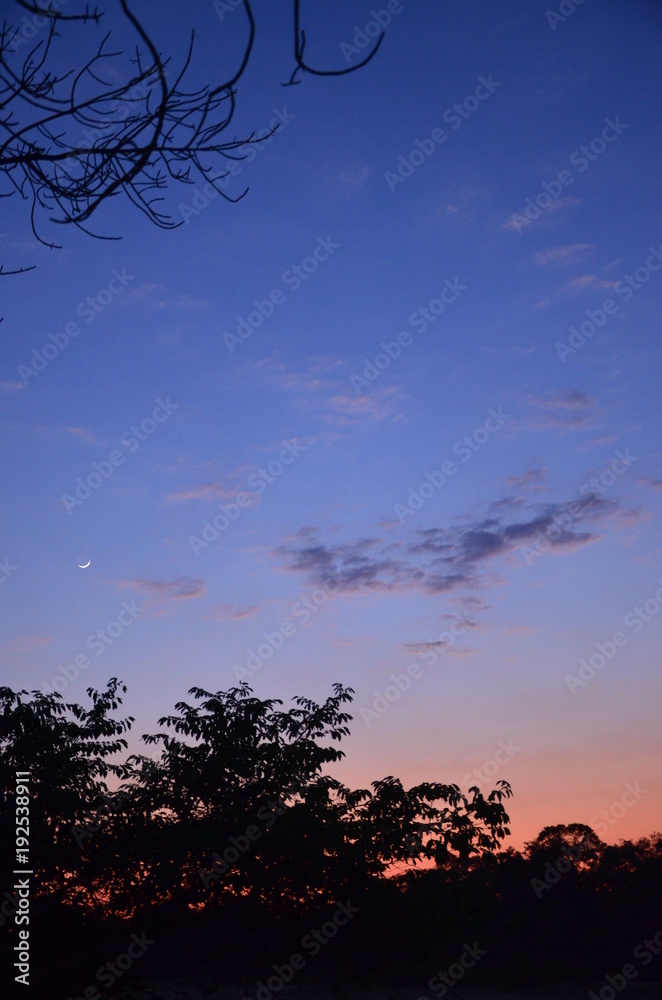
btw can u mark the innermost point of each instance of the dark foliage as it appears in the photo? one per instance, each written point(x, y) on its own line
point(231, 843)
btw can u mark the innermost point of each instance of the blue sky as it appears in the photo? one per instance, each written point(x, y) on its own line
point(395, 205)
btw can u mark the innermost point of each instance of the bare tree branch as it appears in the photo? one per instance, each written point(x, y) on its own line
point(70, 141)
point(300, 44)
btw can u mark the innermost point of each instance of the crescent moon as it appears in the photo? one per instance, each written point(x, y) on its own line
point(80, 566)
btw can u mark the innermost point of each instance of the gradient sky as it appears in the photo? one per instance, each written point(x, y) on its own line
point(327, 528)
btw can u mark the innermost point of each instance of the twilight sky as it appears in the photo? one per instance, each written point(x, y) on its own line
point(396, 410)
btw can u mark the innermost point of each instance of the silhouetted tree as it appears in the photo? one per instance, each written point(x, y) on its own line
point(234, 761)
point(228, 764)
point(65, 747)
point(576, 841)
point(233, 832)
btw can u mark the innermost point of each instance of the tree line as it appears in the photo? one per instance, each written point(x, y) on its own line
point(232, 839)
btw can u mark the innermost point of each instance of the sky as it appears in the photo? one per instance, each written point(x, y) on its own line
point(389, 420)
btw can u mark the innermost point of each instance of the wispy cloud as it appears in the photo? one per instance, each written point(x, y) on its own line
point(226, 612)
point(159, 297)
point(423, 647)
point(566, 410)
point(534, 480)
point(27, 644)
point(519, 630)
point(655, 484)
point(8, 386)
point(466, 624)
point(181, 588)
point(346, 409)
point(82, 434)
point(442, 560)
point(323, 391)
point(462, 203)
point(587, 283)
point(322, 364)
point(550, 216)
point(563, 255)
point(241, 484)
point(274, 372)
point(449, 649)
point(206, 491)
point(578, 285)
point(469, 604)
point(356, 177)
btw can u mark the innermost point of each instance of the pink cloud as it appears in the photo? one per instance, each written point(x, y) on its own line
point(27, 643)
point(182, 588)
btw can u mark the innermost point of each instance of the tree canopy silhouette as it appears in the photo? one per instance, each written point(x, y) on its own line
point(236, 803)
point(230, 829)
